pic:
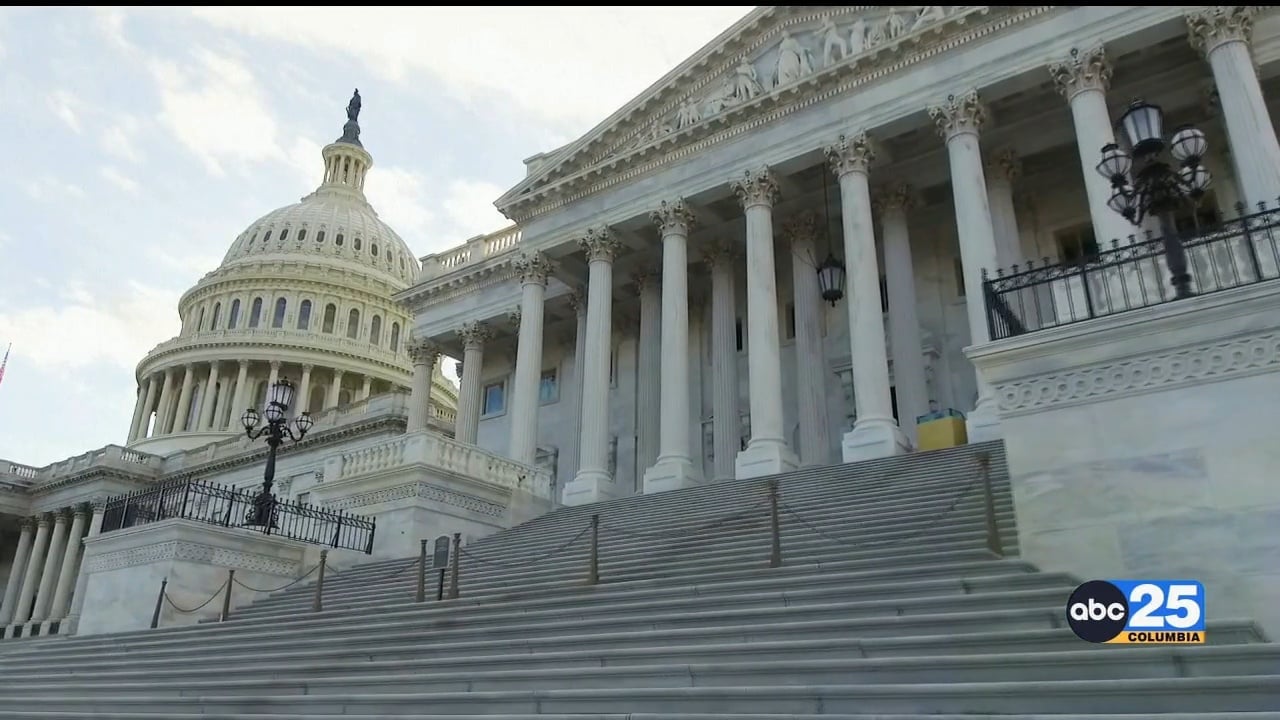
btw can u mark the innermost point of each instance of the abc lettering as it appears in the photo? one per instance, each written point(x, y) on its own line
point(1095, 610)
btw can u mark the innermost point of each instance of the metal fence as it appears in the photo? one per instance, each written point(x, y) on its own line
point(1131, 275)
point(221, 505)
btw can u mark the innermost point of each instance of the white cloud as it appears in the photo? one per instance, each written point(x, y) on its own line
point(120, 139)
point(216, 108)
point(405, 200)
point(83, 328)
point(589, 61)
point(119, 179)
point(66, 107)
point(469, 204)
point(51, 188)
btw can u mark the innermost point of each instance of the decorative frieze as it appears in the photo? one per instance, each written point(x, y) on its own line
point(424, 490)
point(1218, 24)
point(599, 244)
point(756, 187)
point(181, 550)
point(673, 217)
point(959, 114)
point(851, 153)
point(1082, 70)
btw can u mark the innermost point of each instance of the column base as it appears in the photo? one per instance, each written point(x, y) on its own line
point(671, 473)
point(590, 486)
point(868, 441)
point(765, 457)
point(983, 423)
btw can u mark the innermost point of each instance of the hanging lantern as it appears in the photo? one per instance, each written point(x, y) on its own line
point(1143, 123)
point(831, 279)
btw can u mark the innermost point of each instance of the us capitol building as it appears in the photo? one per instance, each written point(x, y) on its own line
point(833, 234)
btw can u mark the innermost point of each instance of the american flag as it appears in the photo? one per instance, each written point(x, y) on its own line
point(5, 361)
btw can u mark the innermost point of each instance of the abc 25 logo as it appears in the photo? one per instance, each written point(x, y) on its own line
point(1144, 612)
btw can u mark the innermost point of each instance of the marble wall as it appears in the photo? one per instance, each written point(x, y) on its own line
point(1141, 452)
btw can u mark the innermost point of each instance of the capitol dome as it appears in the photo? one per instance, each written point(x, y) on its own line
point(303, 293)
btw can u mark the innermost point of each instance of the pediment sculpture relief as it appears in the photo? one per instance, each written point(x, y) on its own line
point(798, 54)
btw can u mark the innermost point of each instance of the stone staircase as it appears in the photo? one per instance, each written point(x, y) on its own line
point(888, 605)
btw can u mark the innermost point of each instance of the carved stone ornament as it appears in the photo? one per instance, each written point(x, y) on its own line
point(533, 268)
point(474, 335)
point(647, 278)
point(851, 153)
point(960, 114)
point(1005, 165)
point(1081, 71)
point(514, 316)
point(423, 351)
point(673, 217)
point(756, 187)
point(599, 244)
point(719, 251)
point(1220, 24)
point(897, 199)
point(801, 227)
point(578, 300)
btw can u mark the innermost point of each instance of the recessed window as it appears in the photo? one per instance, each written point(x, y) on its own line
point(253, 239)
point(1076, 244)
point(320, 237)
point(737, 331)
point(356, 244)
point(338, 240)
point(304, 315)
point(217, 316)
point(304, 498)
point(255, 313)
point(302, 234)
point(330, 315)
point(373, 249)
point(395, 337)
point(200, 322)
point(266, 238)
point(401, 264)
point(277, 318)
point(791, 321)
point(375, 330)
point(353, 324)
point(548, 387)
point(234, 315)
point(494, 399)
point(284, 234)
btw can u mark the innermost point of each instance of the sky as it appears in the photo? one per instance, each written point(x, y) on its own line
point(140, 143)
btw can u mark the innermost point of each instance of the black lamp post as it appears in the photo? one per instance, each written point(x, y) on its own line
point(830, 271)
point(278, 427)
point(1157, 188)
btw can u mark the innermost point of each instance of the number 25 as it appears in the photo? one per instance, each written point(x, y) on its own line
point(1181, 600)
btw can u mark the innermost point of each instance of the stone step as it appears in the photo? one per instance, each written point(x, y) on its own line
point(1145, 696)
point(528, 674)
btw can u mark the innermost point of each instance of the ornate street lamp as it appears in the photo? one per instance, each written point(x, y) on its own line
point(278, 427)
point(1156, 187)
point(830, 271)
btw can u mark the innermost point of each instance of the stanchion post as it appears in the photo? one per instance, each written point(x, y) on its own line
point(775, 530)
point(226, 597)
point(593, 569)
point(440, 586)
point(453, 566)
point(989, 499)
point(422, 573)
point(155, 615)
point(318, 603)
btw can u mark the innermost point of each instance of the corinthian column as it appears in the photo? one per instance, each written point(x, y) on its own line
point(959, 121)
point(70, 559)
point(533, 270)
point(724, 358)
point(467, 425)
point(35, 563)
point(649, 377)
point(593, 481)
point(1001, 172)
point(904, 323)
point(424, 354)
point(675, 467)
point(577, 301)
point(49, 575)
point(1223, 34)
point(767, 453)
point(21, 558)
point(1083, 79)
point(161, 426)
point(139, 406)
point(304, 390)
point(184, 399)
point(811, 364)
point(148, 404)
point(875, 433)
point(242, 392)
point(209, 399)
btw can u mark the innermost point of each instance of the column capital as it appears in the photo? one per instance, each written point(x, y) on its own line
point(60, 515)
point(422, 351)
point(1004, 165)
point(458, 369)
point(307, 367)
point(959, 114)
point(82, 511)
point(647, 277)
point(578, 300)
point(800, 227)
point(533, 268)
point(275, 365)
point(1082, 70)
point(474, 335)
point(189, 367)
point(42, 520)
point(851, 153)
point(1220, 24)
point(599, 244)
point(673, 217)
point(338, 373)
point(898, 198)
point(244, 364)
point(756, 187)
point(25, 524)
point(98, 503)
point(719, 251)
point(514, 316)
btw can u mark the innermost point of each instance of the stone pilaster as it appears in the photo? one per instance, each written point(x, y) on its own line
point(904, 324)
point(811, 366)
point(474, 336)
point(97, 508)
point(720, 258)
point(533, 270)
point(424, 354)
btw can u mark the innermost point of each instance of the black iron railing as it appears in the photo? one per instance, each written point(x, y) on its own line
point(220, 505)
point(1131, 275)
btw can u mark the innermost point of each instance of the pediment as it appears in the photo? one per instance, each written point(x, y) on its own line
point(774, 57)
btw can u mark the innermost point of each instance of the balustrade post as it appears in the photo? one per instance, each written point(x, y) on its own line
point(318, 604)
point(155, 614)
point(422, 572)
point(453, 566)
point(593, 569)
point(993, 528)
point(775, 530)
point(226, 596)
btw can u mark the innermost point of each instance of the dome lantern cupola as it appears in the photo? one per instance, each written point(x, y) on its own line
point(346, 162)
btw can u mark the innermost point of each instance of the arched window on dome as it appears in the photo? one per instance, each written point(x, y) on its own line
point(330, 314)
point(266, 238)
point(373, 249)
point(319, 237)
point(304, 315)
point(302, 234)
point(217, 316)
point(356, 243)
point(284, 234)
point(375, 330)
point(200, 322)
point(353, 324)
point(255, 312)
point(234, 315)
point(395, 337)
point(277, 318)
point(338, 240)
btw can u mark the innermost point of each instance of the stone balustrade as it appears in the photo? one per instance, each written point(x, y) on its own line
point(290, 338)
point(473, 251)
point(111, 457)
point(435, 451)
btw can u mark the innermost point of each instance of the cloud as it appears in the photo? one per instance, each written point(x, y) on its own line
point(51, 188)
point(115, 177)
point(215, 107)
point(120, 139)
point(116, 327)
point(589, 61)
point(66, 107)
point(405, 200)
